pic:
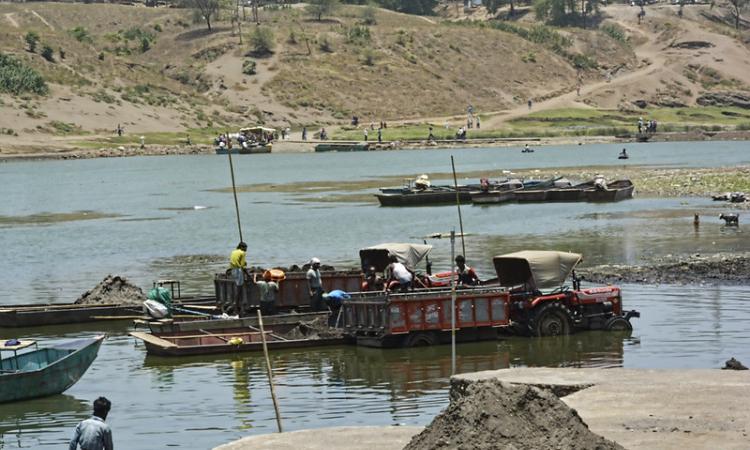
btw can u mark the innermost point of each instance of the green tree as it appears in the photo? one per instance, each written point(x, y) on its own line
point(48, 53)
point(494, 5)
point(262, 41)
point(32, 39)
point(736, 7)
point(319, 8)
point(207, 9)
point(368, 15)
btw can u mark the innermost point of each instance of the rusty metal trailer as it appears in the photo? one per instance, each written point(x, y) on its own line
point(423, 316)
point(293, 291)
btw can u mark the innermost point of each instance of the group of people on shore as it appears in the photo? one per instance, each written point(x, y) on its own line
point(648, 126)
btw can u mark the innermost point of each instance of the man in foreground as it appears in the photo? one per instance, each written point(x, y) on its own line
point(93, 433)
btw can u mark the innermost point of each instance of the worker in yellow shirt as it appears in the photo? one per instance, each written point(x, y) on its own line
point(237, 264)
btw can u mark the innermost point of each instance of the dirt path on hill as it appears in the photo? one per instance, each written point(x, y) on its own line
point(9, 18)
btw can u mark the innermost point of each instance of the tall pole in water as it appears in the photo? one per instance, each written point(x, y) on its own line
point(234, 190)
point(453, 302)
point(458, 204)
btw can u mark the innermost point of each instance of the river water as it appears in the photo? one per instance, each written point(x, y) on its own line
point(65, 224)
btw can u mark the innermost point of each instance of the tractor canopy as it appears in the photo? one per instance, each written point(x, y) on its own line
point(408, 254)
point(539, 269)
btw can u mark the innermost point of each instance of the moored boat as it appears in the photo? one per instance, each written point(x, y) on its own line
point(615, 191)
point(230, 340)
point(171, 326)
point(432, 196)
point(343, 147)
point(30, 315)
point(45, 371)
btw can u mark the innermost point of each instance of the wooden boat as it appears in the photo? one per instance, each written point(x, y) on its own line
point(249, 150)
point(67, 313)
point(46, 371)
point(494, 197)
point(172, 326)
point(293, 291)
point(540, 191)
point(343, 147)
point(231, 340)
point(435, 195)
point(615, 191)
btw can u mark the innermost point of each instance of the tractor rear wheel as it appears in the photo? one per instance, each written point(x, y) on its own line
point(420, 339)
point(552, 319)
point(617, 323)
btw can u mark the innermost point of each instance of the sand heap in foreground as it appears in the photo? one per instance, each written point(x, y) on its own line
point(113, 290)
point(497, 415)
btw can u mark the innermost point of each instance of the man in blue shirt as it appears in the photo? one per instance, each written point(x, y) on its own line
point(93, 433)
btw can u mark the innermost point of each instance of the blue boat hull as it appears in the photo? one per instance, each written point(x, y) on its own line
point(47, 371)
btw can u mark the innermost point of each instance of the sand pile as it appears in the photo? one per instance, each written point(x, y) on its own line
point(113, 290)
point(496, 415)
point(314, 329)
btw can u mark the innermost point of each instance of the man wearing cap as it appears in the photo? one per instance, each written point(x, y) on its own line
point(315, 285)
point(237, 264)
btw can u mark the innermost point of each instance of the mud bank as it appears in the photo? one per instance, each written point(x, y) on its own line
point(695, 269)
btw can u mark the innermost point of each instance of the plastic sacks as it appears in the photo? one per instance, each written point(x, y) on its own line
point(159, 303)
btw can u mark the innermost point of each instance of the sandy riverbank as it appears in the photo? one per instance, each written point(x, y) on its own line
point(30, 151)
point(637, 408)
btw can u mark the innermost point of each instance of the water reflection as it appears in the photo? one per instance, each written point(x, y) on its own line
point(31, 423)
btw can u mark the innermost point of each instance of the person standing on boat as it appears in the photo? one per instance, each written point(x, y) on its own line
point(315, 285)
point(238, 264)
point(466, 275)
point(93, 433)
point(268, 289)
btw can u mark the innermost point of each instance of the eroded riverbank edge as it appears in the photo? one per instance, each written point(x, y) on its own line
point(718, 268)
point(638, 408)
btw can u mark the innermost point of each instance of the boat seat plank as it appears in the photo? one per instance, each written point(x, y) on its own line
point(151, 339)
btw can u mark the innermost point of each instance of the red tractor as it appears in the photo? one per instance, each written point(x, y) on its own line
point(542, 305)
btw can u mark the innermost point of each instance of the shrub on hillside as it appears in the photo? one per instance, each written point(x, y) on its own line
point(48, 53)
point(325, 44)
point(368, 15)
point(320, 8)
point(248, 67)
point(615, 32)
point(16, 78)
point(80, 34)
point(31, 39)
point(262, 41)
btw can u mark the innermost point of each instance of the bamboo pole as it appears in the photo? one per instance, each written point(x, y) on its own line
point(453, 303)
point(458, 204)
point(268, 369)
point(234, 189)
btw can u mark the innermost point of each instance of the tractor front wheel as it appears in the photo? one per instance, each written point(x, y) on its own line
point(551, 319)
point(420, 339)
point(618, 323)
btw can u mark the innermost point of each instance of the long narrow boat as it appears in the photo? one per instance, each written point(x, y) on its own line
point(435, 195)
point(232, 340)
point(67, 313)
point(494, 196)
point(174, 326)
point(615, 191)
point(46, 371)
point(249, 150)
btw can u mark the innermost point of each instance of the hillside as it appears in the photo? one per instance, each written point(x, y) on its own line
point(321, 72)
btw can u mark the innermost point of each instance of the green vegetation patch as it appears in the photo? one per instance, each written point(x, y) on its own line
point(16, 78)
